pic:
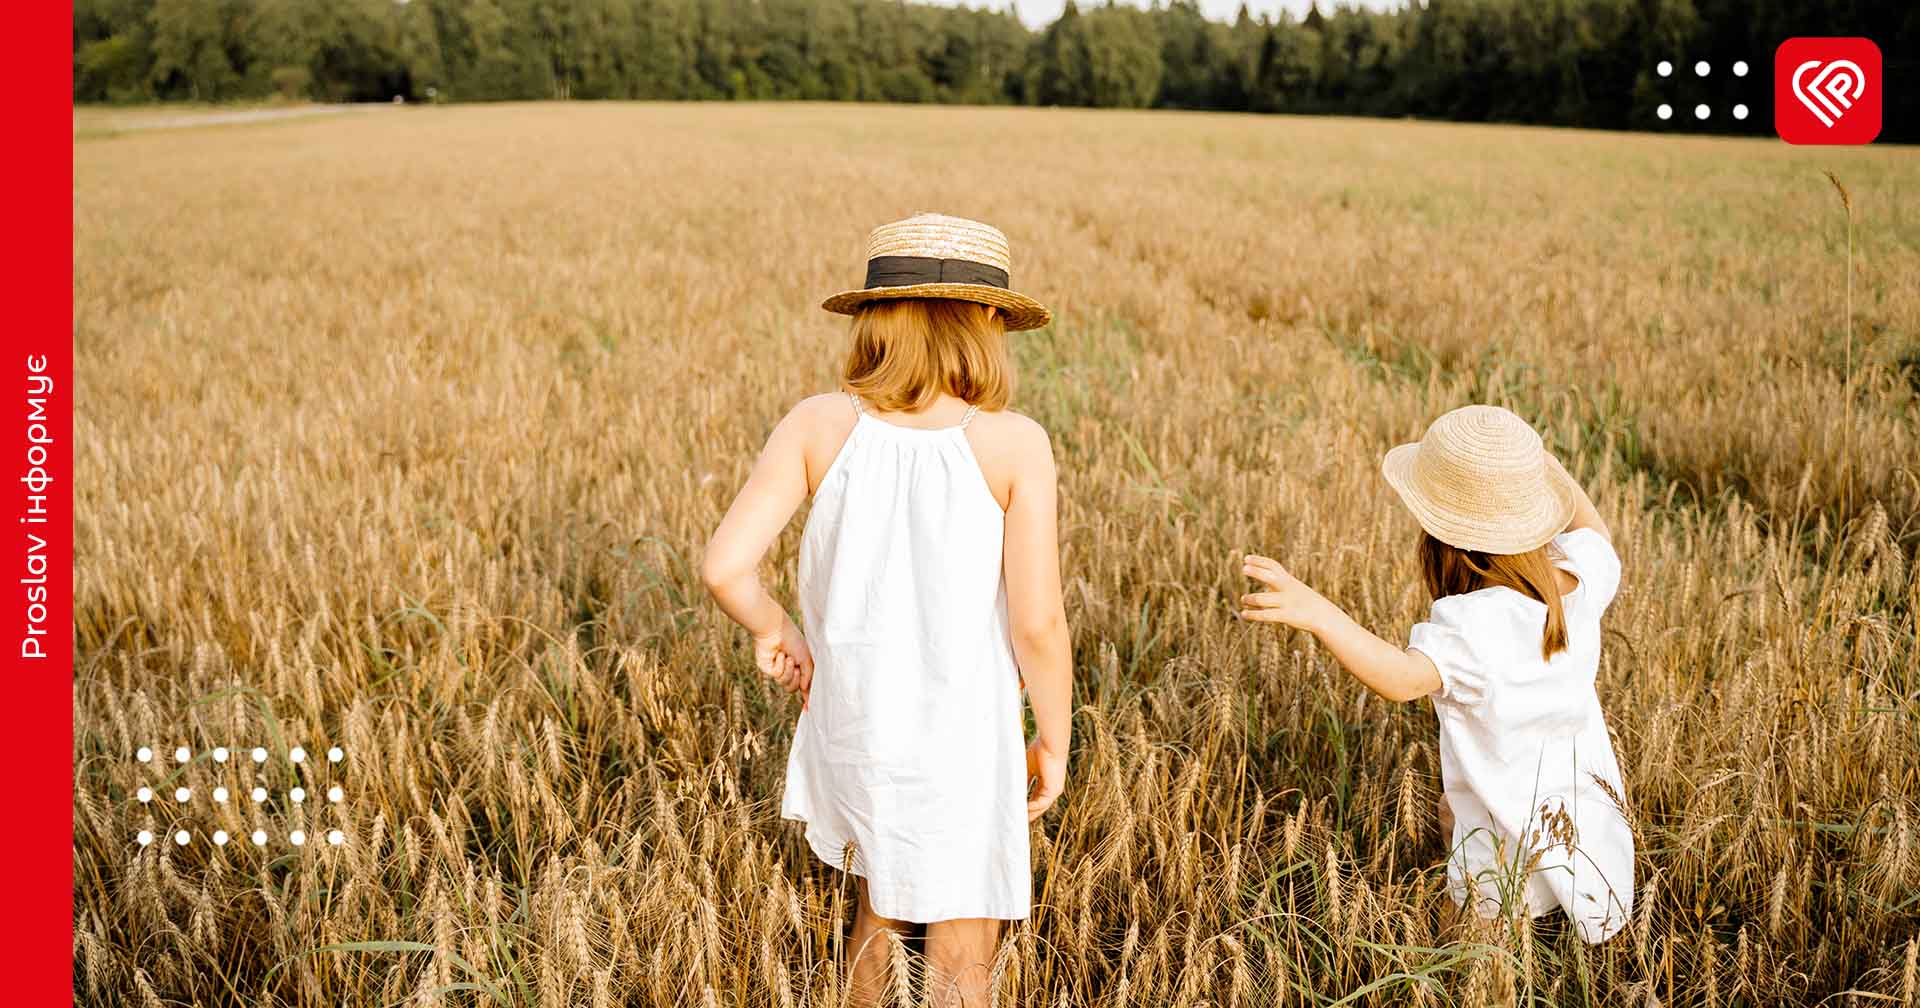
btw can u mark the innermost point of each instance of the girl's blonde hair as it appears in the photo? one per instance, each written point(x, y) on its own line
point(1450, 570)
point(907, 351)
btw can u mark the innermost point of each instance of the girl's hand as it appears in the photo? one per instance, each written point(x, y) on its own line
point(1286, 600)
point(1046, 778)
point(783, 657)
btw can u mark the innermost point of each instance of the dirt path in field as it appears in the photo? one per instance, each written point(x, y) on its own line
point(236, 116)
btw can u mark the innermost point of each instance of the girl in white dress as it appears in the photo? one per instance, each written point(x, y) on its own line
point(929, 587)
point(1520, 568)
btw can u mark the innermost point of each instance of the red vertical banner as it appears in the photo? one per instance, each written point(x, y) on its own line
point(36, 395)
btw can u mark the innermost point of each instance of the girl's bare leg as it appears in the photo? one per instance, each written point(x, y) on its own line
point(960, 962)
point(1446, 822)
point(871, 952)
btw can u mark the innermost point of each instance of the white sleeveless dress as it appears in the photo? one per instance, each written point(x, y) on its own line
point(909, 764)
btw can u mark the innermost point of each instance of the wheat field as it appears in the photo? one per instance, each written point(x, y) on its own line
point(399, 431)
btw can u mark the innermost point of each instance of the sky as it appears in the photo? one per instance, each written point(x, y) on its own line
point(1038, 13)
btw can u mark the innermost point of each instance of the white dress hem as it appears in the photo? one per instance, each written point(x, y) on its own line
point(832, 854)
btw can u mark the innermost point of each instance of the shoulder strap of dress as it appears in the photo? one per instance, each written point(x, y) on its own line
point(972, 411)
point(855, 399)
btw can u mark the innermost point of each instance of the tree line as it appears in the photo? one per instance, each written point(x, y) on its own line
point(1559, 62)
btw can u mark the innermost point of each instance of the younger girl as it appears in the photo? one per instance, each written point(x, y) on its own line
point(929, 585)
point(1520, 567)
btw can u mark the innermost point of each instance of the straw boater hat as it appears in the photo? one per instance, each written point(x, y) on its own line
point(1482, 480)
point(936, 256)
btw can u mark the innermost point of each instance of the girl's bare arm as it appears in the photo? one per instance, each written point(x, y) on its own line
point(1041, 644)
point(730, 569)
point(1392, 672)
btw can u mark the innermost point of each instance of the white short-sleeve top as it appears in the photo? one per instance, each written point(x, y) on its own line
point(1525, 759)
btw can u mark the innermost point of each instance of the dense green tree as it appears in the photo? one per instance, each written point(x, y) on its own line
point(1191, 50)
point(1287, 69)
point(1123, 58)
point(198, 48)
point(1060, 71)
point(115, 65)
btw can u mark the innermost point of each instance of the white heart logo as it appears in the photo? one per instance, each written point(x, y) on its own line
point(1832, 91)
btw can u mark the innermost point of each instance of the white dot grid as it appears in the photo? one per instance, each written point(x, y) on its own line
point(259, 837)
point(1701, 68)
point(221, 754)
point(298, 838)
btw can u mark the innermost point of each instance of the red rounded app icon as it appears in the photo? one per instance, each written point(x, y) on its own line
point(1827, 90)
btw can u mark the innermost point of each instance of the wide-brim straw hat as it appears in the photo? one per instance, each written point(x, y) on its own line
point(936, 256)
point(1482, 480)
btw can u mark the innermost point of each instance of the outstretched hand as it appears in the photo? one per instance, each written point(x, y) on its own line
point(783, 657)
point(1287, 599)
point(1390, 671)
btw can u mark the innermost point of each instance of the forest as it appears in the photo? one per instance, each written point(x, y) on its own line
point(1587, 63)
